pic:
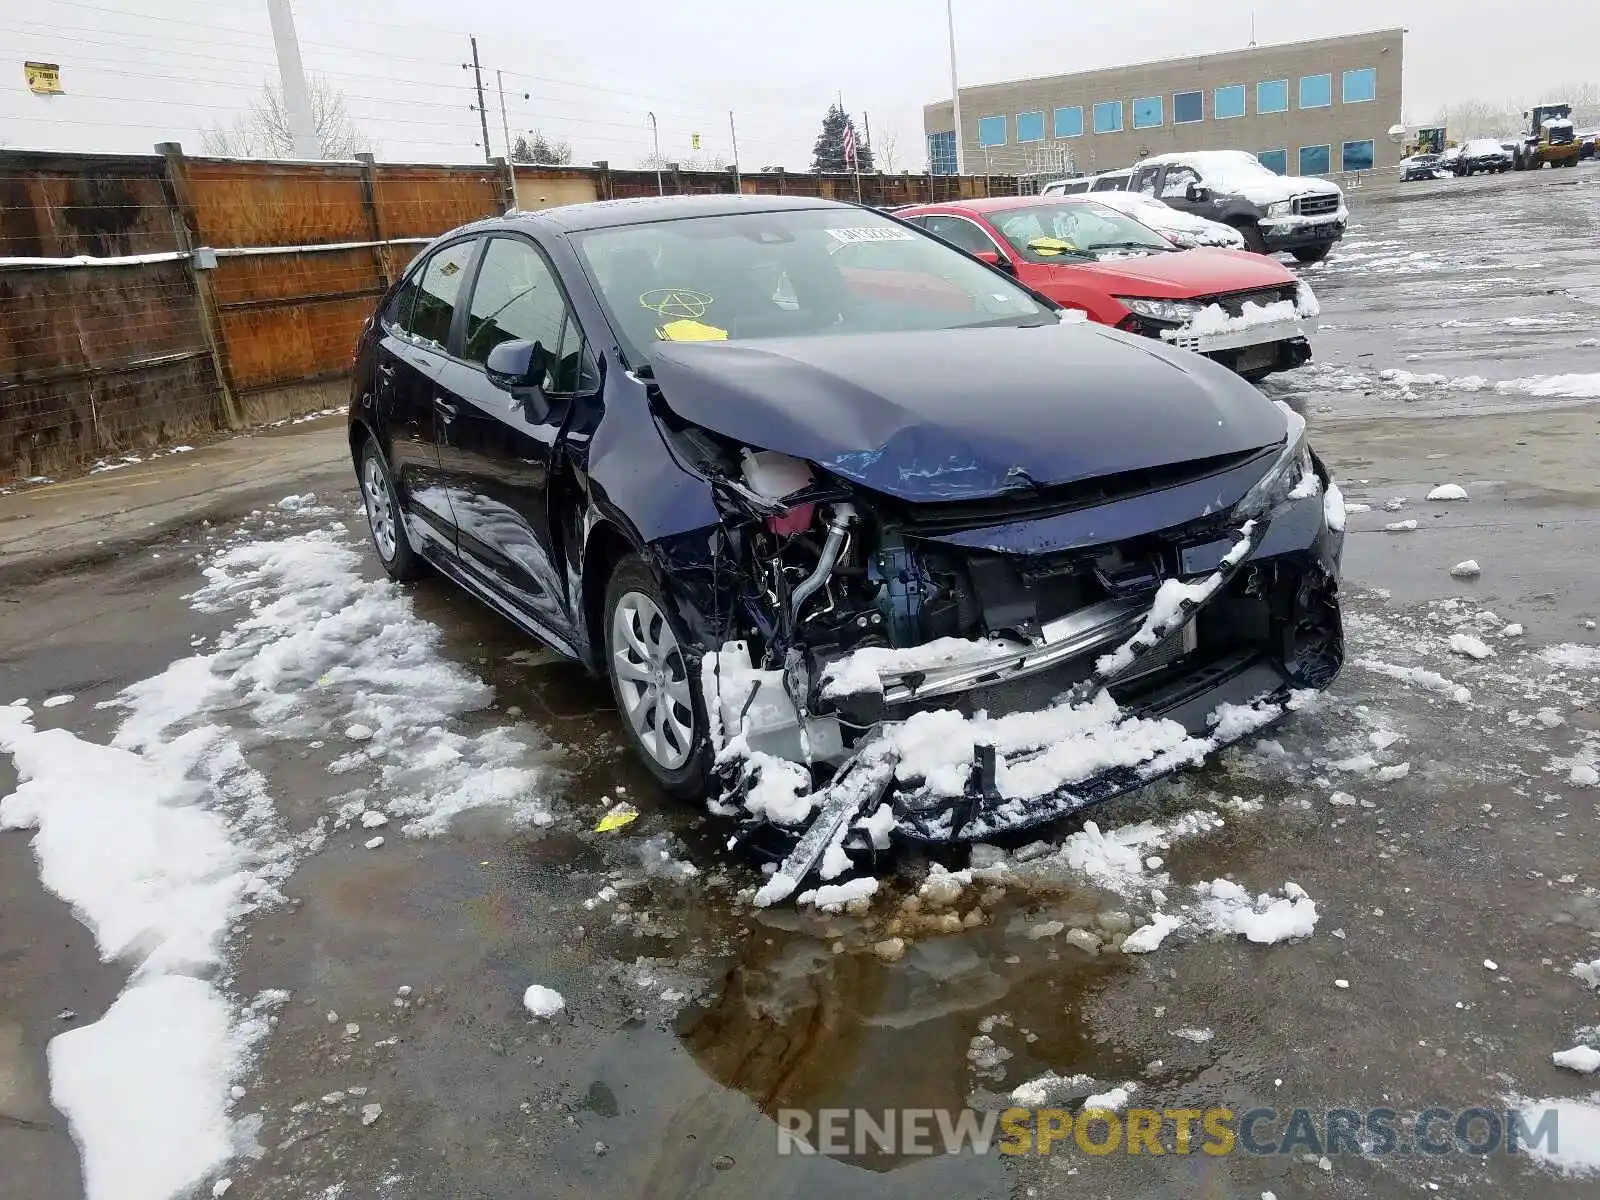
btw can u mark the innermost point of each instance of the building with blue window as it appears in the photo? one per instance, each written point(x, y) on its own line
point(1311, 108)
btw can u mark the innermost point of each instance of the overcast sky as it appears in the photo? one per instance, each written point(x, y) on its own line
point(142, 71)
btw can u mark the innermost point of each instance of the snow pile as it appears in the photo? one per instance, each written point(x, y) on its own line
point(1185, 229)
point(1213, 318)
point(1448, 491)
point(1229, 908)
point(859, 672)
point(1149, 937)
point(1049, 1088)
point(164, 839)
point(543, 1002)
point(1421, 677)
point(1576, 1149)
point(1572, 656)
point(836, 897)
point(1466, 569)
point(1114, 1100)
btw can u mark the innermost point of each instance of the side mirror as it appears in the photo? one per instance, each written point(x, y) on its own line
point(519, 367)
point(992, 257)
point(1198, 193)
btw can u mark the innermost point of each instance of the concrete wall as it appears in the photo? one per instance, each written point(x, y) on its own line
point(1331, 126)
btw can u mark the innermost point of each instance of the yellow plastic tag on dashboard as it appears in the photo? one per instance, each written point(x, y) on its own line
point(685, 330)
point(1050, 245)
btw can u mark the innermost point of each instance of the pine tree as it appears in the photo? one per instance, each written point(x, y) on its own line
point(828, 152)
point(542, 150)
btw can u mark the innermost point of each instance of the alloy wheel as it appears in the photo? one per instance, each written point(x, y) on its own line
point(380, 507)
point(652, 680)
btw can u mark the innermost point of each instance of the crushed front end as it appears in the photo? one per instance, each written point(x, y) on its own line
point(967, 670)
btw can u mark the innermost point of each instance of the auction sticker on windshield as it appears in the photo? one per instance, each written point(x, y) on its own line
point(871, 233)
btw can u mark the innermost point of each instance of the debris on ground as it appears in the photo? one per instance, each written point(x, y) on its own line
point(542, 1002)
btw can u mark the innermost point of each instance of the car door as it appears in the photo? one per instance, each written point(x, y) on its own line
point(1146, 180)
point(1174, 190)
point(497, 451)
point(411, 354)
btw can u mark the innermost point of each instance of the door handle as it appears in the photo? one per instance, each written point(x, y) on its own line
point(448, 409)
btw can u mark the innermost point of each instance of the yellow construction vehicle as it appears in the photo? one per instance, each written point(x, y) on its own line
point(1549, 138)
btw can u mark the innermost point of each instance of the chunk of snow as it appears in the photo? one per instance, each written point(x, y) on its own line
point(358, 733)
point(1467, 569)
point(58, 701)
point(1213, 318)
point(1420, 676)
point(1350, 506)
point(1334, 508)
point(542, 1002)
point(1114, 1100)
point(1583, 1059)
point(370, 1113)
point(1343, 799)
point(860, 672)
point(1587, 973)
point(1401, 526)
point(1047, 1088)
point(1448, 491)
point(374, 843)
point(1583, 775)
point(1471, 647)
point(372, 819)
point(1198, 1036)
point(782, 789)
point(1149, 937)
point(1512, 630)
point(834, 897)
point(1490, 965)
point(1264, 920)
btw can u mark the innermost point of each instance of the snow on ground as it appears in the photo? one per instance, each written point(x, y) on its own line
point(542, 1001)
point(1577, 1153)
point(163, 839)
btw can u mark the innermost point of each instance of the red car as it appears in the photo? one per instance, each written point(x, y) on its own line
point(1245, 310)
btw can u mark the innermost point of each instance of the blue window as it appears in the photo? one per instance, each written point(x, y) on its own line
point(1316, 91)
point(1360, 85)
point(1276, 161)
point(1356, 156)
point(1188, 107)
point(1147, 112)
point(1108, 116)
point(1228, 102)
point(1069, 121)
point(1313, 160)
point(1030, 127)
point(991, 131)
point(1272, 95)
point(942, 152)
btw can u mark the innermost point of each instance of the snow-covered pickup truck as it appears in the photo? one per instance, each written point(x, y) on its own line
point(1303, 216)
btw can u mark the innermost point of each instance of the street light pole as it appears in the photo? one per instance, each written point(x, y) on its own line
point(292, 76)
point(955, 88)
point(655, 132)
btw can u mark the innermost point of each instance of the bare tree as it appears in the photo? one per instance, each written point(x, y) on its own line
point(263, 131)
point(887, 148)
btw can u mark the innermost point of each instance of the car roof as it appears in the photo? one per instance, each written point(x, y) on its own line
point(1003, 203)
point(641, 210)
point(1196, 158)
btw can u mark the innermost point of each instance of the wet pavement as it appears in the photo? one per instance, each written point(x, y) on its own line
point(692, 1018)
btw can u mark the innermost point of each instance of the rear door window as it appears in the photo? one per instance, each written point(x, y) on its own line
point(1176, 184)
point(433, 304)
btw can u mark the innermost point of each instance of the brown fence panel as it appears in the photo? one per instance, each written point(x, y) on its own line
point(248, 203)
point(426, 201)
point(292, 342)
point(64, 205)
point(96, 360)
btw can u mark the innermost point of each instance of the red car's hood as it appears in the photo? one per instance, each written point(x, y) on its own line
point(1185, 274)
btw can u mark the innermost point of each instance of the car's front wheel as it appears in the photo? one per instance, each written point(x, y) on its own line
point(1311, 254)
point(1251, 232)
point(654, 677)
point(383, 517)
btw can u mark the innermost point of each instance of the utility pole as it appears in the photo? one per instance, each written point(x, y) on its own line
point(655, 132)
point(733, 135)
point(483, 112)
point(505, 126)
point(292, 76)
point(866, 130)
point(955, 88)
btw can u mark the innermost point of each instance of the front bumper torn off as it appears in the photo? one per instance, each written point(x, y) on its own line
point(1111, 698)
point(1244, 335)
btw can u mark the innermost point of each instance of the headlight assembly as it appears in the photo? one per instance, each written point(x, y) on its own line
point(1287, 472)
point(1175, 311)
point(1280, 208)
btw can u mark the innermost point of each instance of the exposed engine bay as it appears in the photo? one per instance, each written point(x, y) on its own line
point(849, 614)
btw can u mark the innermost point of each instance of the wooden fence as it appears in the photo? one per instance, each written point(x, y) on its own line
point(150, 299)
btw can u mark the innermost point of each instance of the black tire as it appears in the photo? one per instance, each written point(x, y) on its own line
point(1251, 232)
point(1311, 254)
point(399, 560)
point(631, 582)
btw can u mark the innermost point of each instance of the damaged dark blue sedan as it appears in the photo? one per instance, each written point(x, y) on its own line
point(870, 540)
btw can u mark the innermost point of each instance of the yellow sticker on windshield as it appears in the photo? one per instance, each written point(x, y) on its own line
point(691, 331)
point(1051, 245)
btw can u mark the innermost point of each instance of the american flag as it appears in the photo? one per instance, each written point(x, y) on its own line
point(849, 144)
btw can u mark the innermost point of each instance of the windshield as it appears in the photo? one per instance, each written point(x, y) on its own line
point(789, 273)
point(1074, 231)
